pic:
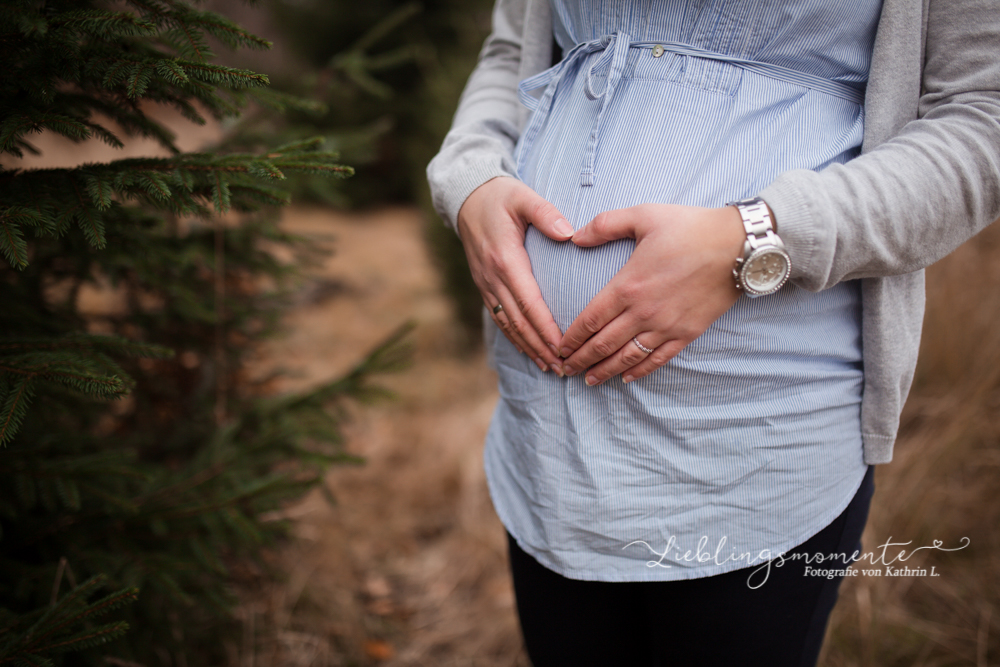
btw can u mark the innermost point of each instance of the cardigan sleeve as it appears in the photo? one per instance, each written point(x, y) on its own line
point(481, 142)
point(914, 198)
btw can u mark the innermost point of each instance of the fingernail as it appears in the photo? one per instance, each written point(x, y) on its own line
point(541, 364)
point(558, 370)
point(565, 352)
point(627, 379)
point(570, 372)
point(554, 349)
point(564, 227)
point(518, 347)
point(591, 380)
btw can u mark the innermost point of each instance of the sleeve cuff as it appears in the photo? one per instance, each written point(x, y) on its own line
point(464, 165)
point(465, 181)
point(799, 227)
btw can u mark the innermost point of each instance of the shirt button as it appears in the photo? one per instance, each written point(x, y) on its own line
point(657, 51)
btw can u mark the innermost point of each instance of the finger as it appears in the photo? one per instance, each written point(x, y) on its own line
point(608, 226)
point(502, 323)
point(527, 298)
point(513, 322)
point(628, 356)
point(535, 210)
point(518, 324)
point(603, 308)
point(658, 358)
point(604, 344)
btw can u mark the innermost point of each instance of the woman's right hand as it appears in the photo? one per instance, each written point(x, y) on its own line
point(492, 223)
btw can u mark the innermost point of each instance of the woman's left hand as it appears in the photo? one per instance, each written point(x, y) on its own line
point(677, 282)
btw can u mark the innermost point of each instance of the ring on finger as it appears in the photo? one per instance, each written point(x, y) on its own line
point(635, 339)
point(497, 308)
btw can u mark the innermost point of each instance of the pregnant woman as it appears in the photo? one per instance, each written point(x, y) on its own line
point(680, 431)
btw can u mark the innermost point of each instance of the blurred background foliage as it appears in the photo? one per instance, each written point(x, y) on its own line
point(389, 73)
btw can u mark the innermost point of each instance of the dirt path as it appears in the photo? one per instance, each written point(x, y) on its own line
point(409, 567)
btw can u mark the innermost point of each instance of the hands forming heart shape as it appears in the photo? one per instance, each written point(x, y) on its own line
point(676, 283)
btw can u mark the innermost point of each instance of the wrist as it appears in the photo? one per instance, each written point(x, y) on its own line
point(483, 196)
point(774, 220)
point(732, 234)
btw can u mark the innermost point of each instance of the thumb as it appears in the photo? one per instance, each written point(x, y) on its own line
point(607, 226)
point(535, 210)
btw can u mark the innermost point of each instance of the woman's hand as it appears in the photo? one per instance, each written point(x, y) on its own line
point(678, 280)
point(492, 223)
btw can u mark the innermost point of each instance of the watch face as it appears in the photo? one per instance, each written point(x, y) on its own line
point(766, 271)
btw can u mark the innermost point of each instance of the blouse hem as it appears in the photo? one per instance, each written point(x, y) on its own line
point(656, 572)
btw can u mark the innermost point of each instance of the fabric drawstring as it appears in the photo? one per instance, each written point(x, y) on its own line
point(619, 53)
point(616, 48)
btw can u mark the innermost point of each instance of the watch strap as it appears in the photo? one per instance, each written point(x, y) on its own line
point(758, 224)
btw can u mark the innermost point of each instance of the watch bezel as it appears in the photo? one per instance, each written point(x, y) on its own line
point(755, 254)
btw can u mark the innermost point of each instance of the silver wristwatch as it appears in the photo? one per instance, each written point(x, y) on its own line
point(764, 266)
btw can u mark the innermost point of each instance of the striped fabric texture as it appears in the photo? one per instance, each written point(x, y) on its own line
point(749, 441)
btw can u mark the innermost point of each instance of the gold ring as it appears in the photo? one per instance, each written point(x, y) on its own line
point(497, 309)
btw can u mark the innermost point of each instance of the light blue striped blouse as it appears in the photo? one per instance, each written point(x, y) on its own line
point(749, 441)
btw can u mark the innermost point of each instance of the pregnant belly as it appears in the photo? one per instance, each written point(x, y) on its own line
point(569, 276)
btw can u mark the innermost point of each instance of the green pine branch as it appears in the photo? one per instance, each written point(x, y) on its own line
point(46, 200)
point(62, 626)
point(16, 398)
point(79, 362)
point(104, 24)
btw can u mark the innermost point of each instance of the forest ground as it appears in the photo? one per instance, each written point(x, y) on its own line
point(409, 566)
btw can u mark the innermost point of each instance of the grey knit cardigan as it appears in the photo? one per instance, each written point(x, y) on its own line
point(927, 180)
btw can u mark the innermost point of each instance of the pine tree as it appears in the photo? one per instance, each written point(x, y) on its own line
point(135, 451)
